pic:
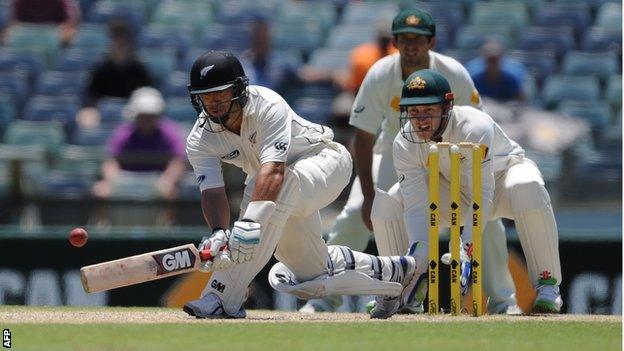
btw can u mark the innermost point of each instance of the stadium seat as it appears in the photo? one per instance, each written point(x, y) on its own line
point(575, 15)
point(80, 59)
point(512, 14)
point(46, 134)
point(96, 136)
point(7, 112)
point(241, 11)
point(314, 109)
point(329, 58)
point(91, 36)
point(540, 63)
point(111, 109)
point(160, 63)
point(59, 83)
point(557, 39)
point(610, 16)
point(12, 60)
point(472, 37)
point(36, 37)
point(177, 84)
point(303, 36)
point(63, 185)
point(180, 109)
point(105, 10)
point(595, 112)
point(348, 36)
point(600, 39)
point(602, 65)
point(368, 12)
point(561, 87)
point(194, 15)
point(613, 91)
point(157, 36)
point(452, 14)
point(80, 160)
point(234, 38)
point(322, 12)
point(52, 108)
point(15, 84)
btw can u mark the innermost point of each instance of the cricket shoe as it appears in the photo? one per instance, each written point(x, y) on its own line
point(509, 308)
point(327, 304)
point(416, 307)
point(386, 306)
point(548, 299)
point(210, 306)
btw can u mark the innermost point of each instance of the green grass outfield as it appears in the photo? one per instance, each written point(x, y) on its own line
point(110, 329)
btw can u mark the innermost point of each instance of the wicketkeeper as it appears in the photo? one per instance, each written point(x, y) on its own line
point(512, 187)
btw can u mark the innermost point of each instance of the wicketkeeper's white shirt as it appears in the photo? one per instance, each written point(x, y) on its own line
point(270, 132)
point(377, 102)
point(466, 124)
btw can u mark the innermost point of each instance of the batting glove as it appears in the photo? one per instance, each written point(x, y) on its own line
point(244, 241)
point(215, 243)
point(465, 268)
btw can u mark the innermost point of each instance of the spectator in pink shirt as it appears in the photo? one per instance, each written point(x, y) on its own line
point(148, 142)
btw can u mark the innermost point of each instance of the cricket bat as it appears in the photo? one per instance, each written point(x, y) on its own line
point(142, 268)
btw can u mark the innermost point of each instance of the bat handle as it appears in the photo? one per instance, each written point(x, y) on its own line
point(205, 254)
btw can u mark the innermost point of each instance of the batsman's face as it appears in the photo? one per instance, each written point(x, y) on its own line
point(425, 119)
point(217, 103)
point(414, 49)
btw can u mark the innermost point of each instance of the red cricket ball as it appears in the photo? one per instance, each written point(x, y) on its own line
point(78, 237)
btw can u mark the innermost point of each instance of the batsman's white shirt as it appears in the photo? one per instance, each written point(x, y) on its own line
point(466, 124)
point(377, 102)
point(270, 132)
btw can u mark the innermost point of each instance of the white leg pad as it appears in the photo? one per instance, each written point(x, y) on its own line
point(348, 282)
point(388, 224)
point(497, 281)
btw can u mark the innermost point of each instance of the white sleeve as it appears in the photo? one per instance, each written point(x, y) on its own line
point(207, 167)
point(275, 132)
point(368, 107)
point(464, 89)
point(414, 189)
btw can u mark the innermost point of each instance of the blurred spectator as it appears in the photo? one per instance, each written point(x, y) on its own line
point(363, 56)
point(147, 142)
point(496, 80)
point(259, 59)
point(66, 13)
point(118, 75)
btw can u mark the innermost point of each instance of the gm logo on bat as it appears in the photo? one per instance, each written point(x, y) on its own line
point(175, 260)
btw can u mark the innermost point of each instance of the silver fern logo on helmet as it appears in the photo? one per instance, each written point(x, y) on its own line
point(205, 70)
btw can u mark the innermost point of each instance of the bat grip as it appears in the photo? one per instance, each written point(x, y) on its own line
point(205, 254)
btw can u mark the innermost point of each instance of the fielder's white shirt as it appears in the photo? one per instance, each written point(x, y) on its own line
point(377, 102)
point(466, 124)
point(270, 132)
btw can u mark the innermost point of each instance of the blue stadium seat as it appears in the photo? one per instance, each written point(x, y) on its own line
point(41, 38)
point(177, 84)
point(80, 160)
point(368, 12)
point(180, 109)
point(314, 109)
point(575, 15)
point(230, 37)
point(610, 15)
point(330, 58)
point(160, 63)
point(132, 12)
point(52, 108)
point(540, 63)
point(12, 60)
point(348, 36)
point(241, 11)
point(155, 36)
point(59, 83)
point(602, 65)
point(613, 91)
point(472, 37)
point(80, 59)
point(303, 36)
point(48, 134)
point(97, 136)
point(595, 112)
point(512, 14)
point(193, 15)
point(15, 84)
point(557, 39)
point(323, 12)
point(602, 39)
point(8, 112)
point(64, 185)
point(91, 36)
point(561, 87)
point(463, 56)
point(452, 14)
point(111, 109)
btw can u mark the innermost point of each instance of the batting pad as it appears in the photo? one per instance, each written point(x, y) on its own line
point(388, 225)
point(348, 282)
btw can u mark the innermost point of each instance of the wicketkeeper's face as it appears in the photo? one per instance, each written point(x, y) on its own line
point(414, 48)
point(425, 119)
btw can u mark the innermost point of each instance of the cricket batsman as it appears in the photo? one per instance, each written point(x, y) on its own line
point(512, 187)
point(375, 115)
point(294, 168)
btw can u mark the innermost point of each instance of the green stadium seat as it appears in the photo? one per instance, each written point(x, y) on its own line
point(513, 14)
point(39, 38)
point(48, 134)
point(603, 65)
point(559, 87)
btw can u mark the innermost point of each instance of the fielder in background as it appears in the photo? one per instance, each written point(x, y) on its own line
point(294, 169)
point(512, 186)
point(375, 114)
